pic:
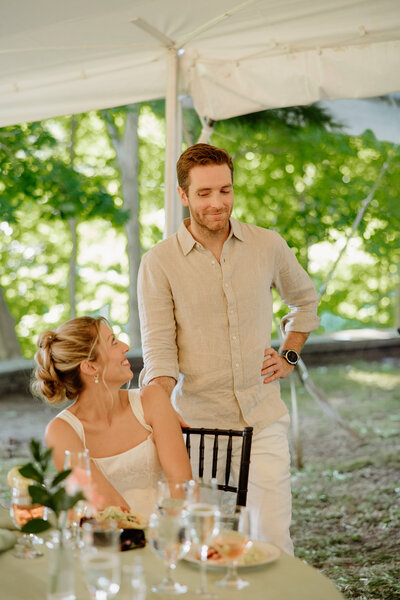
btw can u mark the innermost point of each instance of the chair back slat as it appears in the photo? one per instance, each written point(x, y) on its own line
point(245, 464)
point(215, 457)
point(228, 460)
point(188, 447)
point(246, 434)
point(201, 456)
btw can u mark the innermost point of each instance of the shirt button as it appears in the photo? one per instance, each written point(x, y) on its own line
point(234, 337)
point(213, 262)
point(237, 364)
point(226, 285)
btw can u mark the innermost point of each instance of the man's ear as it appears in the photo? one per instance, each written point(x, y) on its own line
point(87, 367)
point(182, 196)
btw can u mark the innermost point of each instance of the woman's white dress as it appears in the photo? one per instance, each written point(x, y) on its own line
point(133, 473)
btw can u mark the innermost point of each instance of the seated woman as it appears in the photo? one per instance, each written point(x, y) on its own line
point(133, 436)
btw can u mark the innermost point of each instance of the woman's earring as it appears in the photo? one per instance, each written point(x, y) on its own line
point(96, 378)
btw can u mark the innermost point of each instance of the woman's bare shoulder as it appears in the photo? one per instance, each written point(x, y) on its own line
point(59, 431)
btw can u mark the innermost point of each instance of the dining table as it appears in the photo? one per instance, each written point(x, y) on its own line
point(285, 578)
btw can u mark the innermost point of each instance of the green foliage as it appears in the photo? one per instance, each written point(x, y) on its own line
point(308, 184)
point(295, 172)
point(50, 493)
point(40, 192)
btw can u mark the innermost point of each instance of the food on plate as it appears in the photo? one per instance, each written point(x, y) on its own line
point(125, 520)
point(251, 556)
point(131, 525)
point(231, 544)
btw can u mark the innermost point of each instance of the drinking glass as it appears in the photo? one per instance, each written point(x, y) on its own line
point(22, 510)
point(79, 463)
point(176, 495)
point(169, 539)
point(204, 523)
point(231, 542)
point(100, 561)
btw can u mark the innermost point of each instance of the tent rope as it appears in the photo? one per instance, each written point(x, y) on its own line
point(362, 210)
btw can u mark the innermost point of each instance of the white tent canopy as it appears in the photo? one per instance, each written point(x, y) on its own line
point(236, 57)
point(233, 57)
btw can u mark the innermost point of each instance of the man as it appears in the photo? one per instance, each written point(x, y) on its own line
point(205, 307)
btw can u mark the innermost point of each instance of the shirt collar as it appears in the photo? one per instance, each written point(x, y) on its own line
point(187, 241)
point(185, 238)
point(236, 230)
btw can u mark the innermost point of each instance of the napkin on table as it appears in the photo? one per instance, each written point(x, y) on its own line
point(7, 538)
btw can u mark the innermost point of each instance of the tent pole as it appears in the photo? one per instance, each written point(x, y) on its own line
point(171, 114)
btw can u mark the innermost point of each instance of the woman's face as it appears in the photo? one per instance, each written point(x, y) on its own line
point(113, 364)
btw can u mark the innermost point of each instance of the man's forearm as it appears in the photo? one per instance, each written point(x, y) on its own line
point(294, 340)
point(167, 383)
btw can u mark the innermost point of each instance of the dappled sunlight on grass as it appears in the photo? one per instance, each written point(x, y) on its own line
point(377, 379)
point(346, 499)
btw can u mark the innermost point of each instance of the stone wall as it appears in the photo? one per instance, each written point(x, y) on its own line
point(339, 348)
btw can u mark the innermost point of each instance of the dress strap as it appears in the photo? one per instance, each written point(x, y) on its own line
point(137, 408)
point(75, 423)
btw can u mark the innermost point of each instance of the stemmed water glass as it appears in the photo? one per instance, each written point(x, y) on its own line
point(175, 495)
point(22, 510)
point(100, 560)
point(231, 542)
point(204, 523)
point(79, 463)
point(169, 539)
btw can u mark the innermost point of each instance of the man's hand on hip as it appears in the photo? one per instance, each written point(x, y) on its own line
point(274, 366)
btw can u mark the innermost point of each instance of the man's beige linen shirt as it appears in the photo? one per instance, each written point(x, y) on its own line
point(207, 323)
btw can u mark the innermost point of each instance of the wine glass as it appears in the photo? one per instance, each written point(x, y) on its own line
point(79, 463)
point(231, 542)
point(173, 496)
point(80, 478)
point(169, 539)
point(22, 510)
point(204, 523)
point(100, 559)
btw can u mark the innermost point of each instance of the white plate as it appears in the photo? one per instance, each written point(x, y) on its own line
point(266, 553)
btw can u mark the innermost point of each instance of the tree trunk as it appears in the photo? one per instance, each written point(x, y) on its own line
point(397, 316)
point(72, 269)
point(72, 225)
point(9, 345)
point(127, 148)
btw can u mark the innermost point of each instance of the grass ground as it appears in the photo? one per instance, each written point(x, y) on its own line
point(346, 510)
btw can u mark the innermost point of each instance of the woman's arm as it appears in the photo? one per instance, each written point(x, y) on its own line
point(168, 438)
point(60, 436)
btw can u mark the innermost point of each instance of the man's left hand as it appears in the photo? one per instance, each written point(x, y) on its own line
point(274, 366)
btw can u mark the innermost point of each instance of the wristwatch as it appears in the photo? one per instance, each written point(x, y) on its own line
point(290, 356)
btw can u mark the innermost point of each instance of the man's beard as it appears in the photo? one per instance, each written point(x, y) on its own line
point(212, 225)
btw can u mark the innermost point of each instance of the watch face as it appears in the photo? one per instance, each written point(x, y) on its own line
point(291, 356)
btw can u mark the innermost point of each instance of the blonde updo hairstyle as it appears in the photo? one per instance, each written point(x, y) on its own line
point(57, 376)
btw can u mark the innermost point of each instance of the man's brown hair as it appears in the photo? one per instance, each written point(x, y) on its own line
point(197, 156)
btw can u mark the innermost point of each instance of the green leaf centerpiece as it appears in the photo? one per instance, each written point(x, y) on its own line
point(46, 491)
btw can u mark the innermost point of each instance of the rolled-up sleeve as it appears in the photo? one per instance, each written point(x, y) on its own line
point(297, 291)
point(157, 322)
